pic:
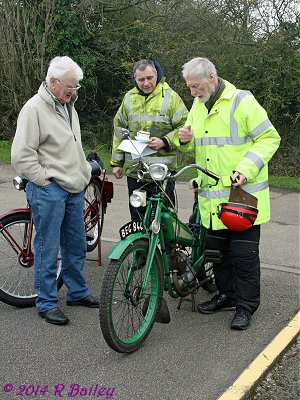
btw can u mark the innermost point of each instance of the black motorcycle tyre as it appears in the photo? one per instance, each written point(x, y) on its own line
point(108, 299)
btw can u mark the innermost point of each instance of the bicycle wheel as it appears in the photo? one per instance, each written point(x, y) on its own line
point(93, 213)
point(17, 259)
point(126, 319)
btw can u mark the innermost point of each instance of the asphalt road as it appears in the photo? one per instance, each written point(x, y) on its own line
point(195, 357)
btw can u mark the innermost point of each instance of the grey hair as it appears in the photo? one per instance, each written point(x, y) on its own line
point(141, 65)
point(199, 67)
point(59, 66)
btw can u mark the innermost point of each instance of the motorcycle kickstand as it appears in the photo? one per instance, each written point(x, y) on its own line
point(191, 299)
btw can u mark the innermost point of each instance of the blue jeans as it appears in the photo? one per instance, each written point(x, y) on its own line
point(58, 220)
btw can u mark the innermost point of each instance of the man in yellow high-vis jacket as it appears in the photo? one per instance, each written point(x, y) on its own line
point(230, 134)
point(154, 107)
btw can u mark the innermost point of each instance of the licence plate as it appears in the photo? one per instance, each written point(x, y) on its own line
point(130, 228)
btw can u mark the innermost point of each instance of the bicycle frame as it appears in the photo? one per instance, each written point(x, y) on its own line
point(17, 236)
point(105, 195)
point(26, 257)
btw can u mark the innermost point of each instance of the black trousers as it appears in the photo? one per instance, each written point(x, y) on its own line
point(150, 188)
point(238, 275)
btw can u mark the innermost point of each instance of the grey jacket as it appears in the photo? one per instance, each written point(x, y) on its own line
point(45, 146)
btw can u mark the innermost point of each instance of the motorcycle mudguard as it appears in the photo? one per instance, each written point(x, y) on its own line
point(120, 247)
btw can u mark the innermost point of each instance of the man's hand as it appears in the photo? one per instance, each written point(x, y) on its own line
point(156, 143)
point(185, 135)
point(118, 172)
point(239, 178)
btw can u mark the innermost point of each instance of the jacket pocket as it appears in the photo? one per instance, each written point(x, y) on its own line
point(226, 182)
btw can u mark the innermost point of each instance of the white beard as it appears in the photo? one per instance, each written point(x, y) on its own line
point(204, 98)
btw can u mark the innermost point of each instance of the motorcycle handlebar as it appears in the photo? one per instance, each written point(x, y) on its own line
point(205, 171)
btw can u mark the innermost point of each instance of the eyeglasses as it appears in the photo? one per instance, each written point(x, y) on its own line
point(68, 86)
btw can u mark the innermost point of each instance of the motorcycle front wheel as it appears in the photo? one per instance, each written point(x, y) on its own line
point(126, 318)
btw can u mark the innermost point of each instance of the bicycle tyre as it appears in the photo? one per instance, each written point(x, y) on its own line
point(17, 278)
point(93, 212)
point(123, 325)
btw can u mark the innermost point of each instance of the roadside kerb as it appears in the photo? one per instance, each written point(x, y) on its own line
point(249, 378)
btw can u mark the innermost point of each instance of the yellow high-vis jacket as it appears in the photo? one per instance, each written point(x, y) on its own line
point(161, 113)
point(236, 135)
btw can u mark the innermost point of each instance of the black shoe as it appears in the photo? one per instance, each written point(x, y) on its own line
point(162, 315)
point(241, 319)
point(220, 302)
point(88, 301)
point(54, 316)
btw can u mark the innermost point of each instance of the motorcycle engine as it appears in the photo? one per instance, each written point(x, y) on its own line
point(177, 260)
point(180, 265)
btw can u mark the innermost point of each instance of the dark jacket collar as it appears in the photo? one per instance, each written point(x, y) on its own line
point(214, 97)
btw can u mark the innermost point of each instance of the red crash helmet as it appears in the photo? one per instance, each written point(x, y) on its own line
point(237, 216)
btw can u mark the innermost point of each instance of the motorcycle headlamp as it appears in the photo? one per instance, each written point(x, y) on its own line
point(138, 198)
point(158, 172)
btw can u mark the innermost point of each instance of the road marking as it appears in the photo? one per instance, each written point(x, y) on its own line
point(263, 362)
point(291, 270)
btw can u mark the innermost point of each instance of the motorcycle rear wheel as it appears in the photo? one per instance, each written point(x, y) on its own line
point(125, 320)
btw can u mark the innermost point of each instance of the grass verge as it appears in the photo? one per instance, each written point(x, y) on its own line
point(275, 181)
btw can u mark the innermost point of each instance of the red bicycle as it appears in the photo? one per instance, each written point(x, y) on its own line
point(17, 234)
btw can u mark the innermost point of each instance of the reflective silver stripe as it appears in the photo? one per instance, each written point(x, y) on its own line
point(166, 102)
point(151, 160)
point(219, 194)
point(261, 127)
point(221, 141)
point(170, 135)
point(117, 157)
point(146, 117)
point(127, 104)
point(234, 138)
point(257, 160)
point(154, 118)
point(122, 119)
point(234, 129)
point(216, 194)
point(179, 113)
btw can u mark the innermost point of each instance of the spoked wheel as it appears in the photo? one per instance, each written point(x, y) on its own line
point(210, 285)
point(93, 214)
point(126, 317)
point(16, 261)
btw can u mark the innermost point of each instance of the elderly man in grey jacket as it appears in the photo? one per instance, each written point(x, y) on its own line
point(47, 150)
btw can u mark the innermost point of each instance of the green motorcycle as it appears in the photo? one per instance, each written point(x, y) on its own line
point(157, 254)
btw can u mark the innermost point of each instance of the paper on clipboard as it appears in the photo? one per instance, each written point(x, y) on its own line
point(136, 148)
